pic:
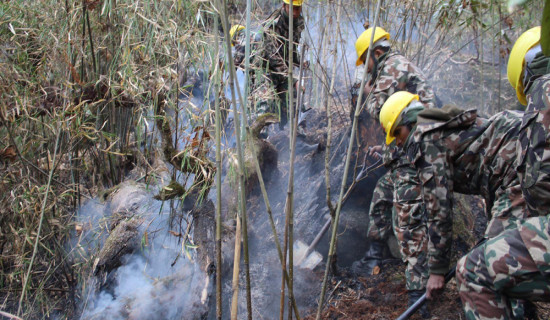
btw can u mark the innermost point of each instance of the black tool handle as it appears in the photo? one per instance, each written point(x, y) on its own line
point(418, 304)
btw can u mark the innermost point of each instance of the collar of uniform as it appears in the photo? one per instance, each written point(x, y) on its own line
point(282, 20)
point(383, 58)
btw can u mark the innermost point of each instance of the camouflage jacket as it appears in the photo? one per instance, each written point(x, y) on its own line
point(533, 164)
point(256, 49)
point(535, 234)
point(463, 153)
point(273, 51)
point(396, 73)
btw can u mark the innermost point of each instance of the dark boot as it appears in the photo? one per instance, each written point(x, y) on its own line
point(414, 295)
point(373, 257)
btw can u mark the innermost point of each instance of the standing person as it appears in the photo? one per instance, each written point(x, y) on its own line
point(238, 41)
point(271, 61)
point(390, 72)
point(516, 264)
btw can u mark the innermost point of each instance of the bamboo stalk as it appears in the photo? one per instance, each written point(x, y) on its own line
point(482, 71)
point(344, 178)
point(329, 93)
point(247, 61)
point(236, 261)
point(38, 232)
point(9, 316)
point(499, 59)
point(218, 178)
point(261, 181)
point(289, 207)
point(287, 240)
point(240, 157)
point(271, 221)
point(91, 40)
point(329, 117)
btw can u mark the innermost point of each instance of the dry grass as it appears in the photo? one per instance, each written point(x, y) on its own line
point(79, 82)
point(78, 87)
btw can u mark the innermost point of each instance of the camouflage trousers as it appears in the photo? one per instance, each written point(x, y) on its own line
point(381, 213)
point(509, 208)
point(406, 216)
point(513, 265)
point(411, 228)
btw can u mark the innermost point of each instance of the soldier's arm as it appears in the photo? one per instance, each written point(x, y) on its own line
point(376, 99)
point(416, 83)
point(539, 96)
point(272, 51)
point(296, 55)
point(424, 92)
point(299, 27)
point(238, 55)
point(435, 177)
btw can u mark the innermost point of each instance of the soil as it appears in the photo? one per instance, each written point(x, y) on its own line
point(384, 296)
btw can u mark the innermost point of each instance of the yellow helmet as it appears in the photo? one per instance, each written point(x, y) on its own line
point(294, 2)
point(363, 42)
point(525, 42)
point(390, 113)
point(234, 29)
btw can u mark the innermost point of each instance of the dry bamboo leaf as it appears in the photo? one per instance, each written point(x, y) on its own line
point(78, 228)
point(92, 4)
point(376, 270)
point(175, 234)
point(9, 154)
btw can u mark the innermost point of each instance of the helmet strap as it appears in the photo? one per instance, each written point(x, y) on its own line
point(528, 78)
point(531, 69)
point(374, 71)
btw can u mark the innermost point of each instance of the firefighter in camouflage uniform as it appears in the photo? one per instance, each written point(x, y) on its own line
point(457, 151)
point(516, 264)
point(390, 72)
point(269, 59)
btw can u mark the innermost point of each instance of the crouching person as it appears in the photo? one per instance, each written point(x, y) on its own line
point(516, 264)
point(455, 150)
point(390, 72)
point(513, 265)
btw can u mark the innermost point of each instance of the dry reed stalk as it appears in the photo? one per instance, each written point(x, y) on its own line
point(218, 180)
point(236, 262)
point(240, 157)
point(344, 177)
point(287, 240)
point(39, 230)
point(9, 316)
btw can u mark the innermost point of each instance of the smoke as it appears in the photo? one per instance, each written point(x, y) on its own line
point(143, 291)
point(158, 280)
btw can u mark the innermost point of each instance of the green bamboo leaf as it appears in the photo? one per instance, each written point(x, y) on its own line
point(545, 29)
point(191, 246)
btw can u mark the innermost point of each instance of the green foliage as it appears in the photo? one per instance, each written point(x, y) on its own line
point(544, 23)
point(545, 29)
